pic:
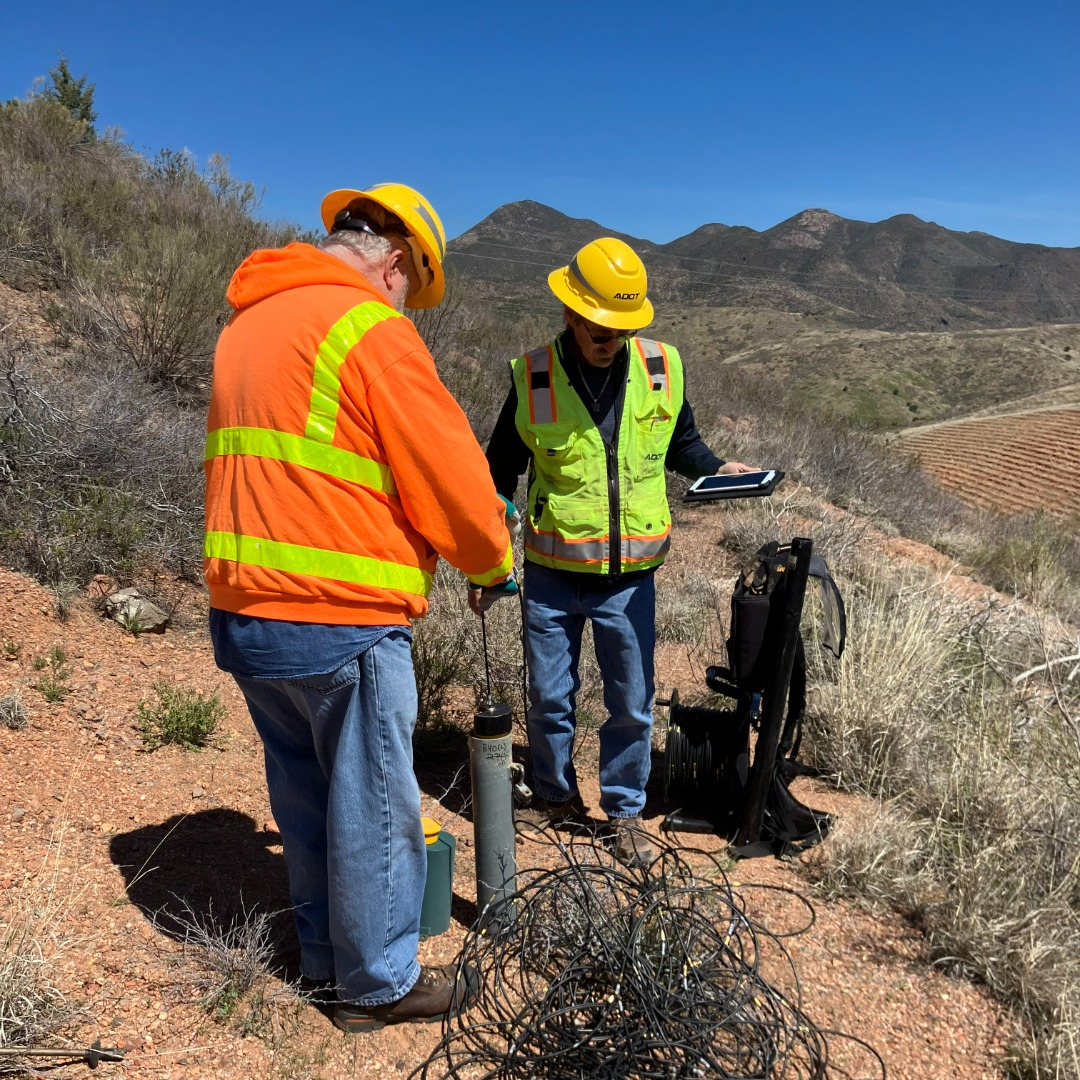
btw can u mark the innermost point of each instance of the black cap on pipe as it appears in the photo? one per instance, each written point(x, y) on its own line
point(493, 721)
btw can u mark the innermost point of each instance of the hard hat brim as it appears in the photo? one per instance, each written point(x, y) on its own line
point(564, 285)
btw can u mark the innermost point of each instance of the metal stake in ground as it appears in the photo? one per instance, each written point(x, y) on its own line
point(91, 1055)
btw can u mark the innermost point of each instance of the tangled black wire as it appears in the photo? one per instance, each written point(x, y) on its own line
point(596, 971)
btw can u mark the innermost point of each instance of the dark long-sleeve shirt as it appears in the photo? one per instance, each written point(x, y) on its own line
point(508, 456)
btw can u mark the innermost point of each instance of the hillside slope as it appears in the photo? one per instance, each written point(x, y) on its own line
point(113, 842)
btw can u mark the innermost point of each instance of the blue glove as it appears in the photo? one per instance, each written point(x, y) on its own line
point(513, 520)
point(482, 597)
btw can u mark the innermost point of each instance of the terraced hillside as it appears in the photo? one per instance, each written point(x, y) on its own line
point(1013, 463)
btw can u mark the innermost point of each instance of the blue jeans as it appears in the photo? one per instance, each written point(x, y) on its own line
point(623, 620)
point(339, 771)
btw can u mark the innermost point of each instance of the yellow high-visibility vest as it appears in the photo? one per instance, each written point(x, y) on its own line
point(587, 511)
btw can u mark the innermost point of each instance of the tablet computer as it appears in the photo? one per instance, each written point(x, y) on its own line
point(735, 486)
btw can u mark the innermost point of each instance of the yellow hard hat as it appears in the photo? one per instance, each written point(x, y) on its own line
point(424, 231)
point(606, 283)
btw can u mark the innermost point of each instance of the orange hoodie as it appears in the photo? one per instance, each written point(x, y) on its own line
point(338, 466)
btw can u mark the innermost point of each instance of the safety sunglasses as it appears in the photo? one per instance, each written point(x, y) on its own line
point(607, 337)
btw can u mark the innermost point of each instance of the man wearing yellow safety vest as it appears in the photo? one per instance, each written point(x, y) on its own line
point(595, 417)
point(338, 470)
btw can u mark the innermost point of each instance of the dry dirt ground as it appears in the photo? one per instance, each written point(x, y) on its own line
point(106, 840)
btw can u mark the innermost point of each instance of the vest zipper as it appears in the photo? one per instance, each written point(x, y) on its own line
point(614, 535)
point(611, 452)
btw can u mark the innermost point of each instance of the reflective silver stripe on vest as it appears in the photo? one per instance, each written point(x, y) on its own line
point(655, 360)
point(631, 550)
point(538, 375)
point(639, 549)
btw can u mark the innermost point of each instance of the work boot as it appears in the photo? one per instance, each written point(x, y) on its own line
point(549, 815)
point(438, 991)
point(633, 845)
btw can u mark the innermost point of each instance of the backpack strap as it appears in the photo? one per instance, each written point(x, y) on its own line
point(791, 736)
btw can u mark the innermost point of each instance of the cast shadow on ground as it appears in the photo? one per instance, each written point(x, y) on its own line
point(215, 868)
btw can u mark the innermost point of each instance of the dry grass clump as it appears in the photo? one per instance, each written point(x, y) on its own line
point(960, 719)
point(684, 605)
point(230, 963)
point(103, 471)
point(445, 646)
point(32, 940)
point(1032, 556)
point(13, 713)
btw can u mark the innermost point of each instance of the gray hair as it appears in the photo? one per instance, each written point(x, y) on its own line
point(370, 248)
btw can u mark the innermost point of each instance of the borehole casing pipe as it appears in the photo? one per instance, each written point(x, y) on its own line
point(490, 761)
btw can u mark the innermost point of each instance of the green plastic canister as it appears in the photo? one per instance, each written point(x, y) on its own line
point(439, 887)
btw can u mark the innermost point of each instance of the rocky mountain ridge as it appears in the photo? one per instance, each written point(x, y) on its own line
point(902, 273)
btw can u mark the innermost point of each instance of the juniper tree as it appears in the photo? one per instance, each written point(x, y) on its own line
point(73, 94)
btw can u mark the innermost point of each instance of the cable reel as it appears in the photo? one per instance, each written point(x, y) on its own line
point(705, 752)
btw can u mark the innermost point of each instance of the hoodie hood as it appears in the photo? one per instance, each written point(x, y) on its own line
point(273, 270)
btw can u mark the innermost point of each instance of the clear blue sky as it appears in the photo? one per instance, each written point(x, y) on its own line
point(650, 118)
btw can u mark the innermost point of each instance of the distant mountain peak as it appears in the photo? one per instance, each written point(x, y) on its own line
point(815, 220)
point(807, 229)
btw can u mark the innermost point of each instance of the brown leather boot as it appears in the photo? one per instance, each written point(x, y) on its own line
point(544, 815)
point(633, 846)
point(438, 992)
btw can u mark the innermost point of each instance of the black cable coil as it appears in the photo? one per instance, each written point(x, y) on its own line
point(592, 970)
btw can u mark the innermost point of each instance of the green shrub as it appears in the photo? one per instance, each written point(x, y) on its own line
point(52, 682)
point(179, 715)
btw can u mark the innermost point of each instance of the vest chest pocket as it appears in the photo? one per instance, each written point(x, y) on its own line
point(654, 425)
point(559, 454)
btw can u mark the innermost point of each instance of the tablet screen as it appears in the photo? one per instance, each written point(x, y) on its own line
point(734, 486)
point(734, 482)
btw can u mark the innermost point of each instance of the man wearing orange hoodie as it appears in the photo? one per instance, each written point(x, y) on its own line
point(338, 470)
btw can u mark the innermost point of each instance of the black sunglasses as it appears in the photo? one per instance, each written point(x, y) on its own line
point(606, 339)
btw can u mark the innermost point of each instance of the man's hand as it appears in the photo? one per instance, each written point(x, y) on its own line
point(729, 468)
point(482, 597)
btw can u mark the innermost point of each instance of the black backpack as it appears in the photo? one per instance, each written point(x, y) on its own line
point(758, 606)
